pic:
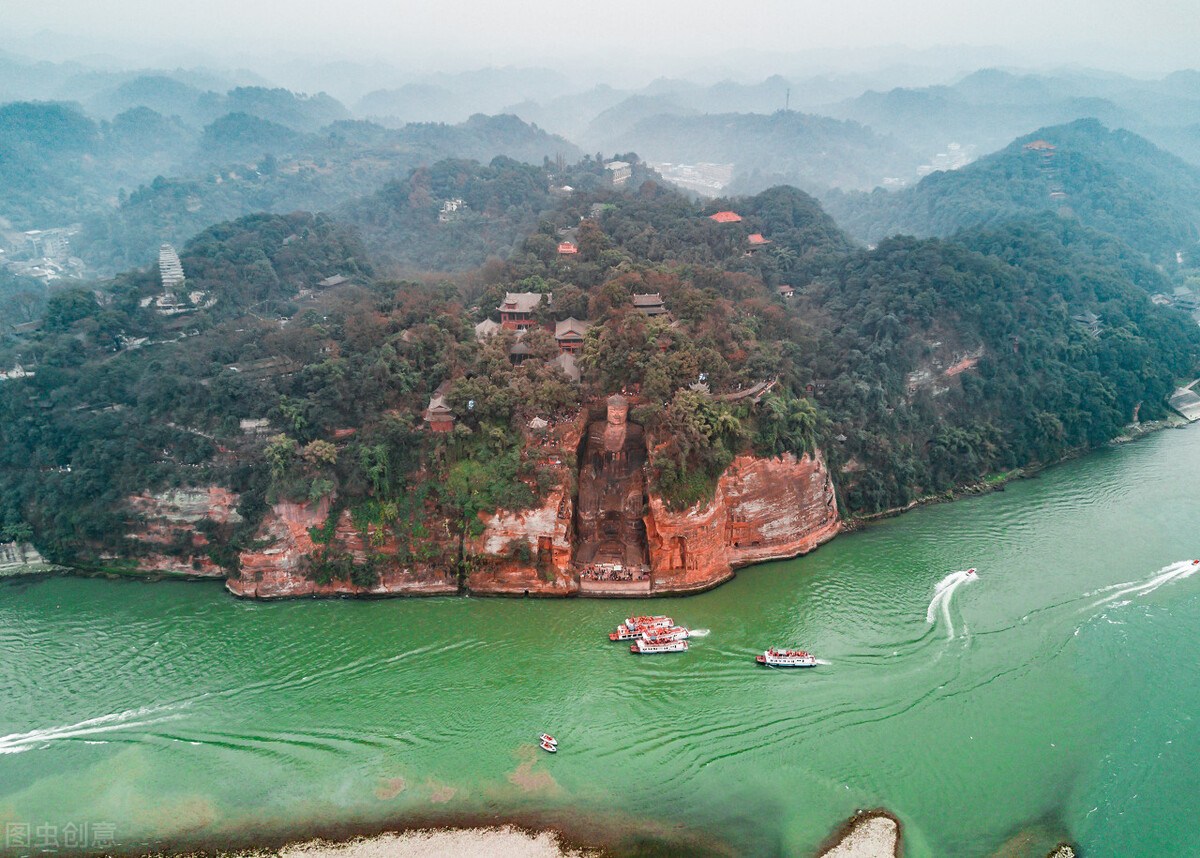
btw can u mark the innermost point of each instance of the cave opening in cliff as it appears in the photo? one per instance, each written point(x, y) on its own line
point(610, 530)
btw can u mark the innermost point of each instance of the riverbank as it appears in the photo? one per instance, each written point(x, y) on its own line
point(873, 834)
point(998, 482)
point(500, 842)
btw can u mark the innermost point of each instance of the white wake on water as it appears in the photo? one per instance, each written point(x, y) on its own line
point(1116, 595)
point(943, 593)
point(15, 743)
point(699, 633)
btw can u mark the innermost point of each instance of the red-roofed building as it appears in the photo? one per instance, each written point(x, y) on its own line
point(726, 217)
point(756, 240)
point(566, 248)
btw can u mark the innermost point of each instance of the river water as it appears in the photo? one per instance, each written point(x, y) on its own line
point(1053, 696)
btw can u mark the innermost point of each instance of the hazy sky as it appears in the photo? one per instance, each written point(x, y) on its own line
point(1128, 35)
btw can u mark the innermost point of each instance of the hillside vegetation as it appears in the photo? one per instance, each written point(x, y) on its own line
point(1114, 181)
point(915, 367)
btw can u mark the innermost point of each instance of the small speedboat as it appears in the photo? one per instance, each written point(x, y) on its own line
point(546, 746)
point(545, 737)
point(971, 573)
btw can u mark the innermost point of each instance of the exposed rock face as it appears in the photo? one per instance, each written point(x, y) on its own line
point(166, 526)
point(21, 558)
point(281, 570)
point(546, 531)
point(763, 509)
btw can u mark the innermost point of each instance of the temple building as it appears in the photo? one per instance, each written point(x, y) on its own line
point(516, 311)
point(570, 333)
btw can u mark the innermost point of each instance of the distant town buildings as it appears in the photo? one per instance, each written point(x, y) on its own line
point(619, 171)
point(44, 254)
point(49, 243)
point(706, 179)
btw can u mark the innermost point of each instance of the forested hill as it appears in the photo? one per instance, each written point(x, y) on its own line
point(942, 361)
point(915, 367)
point(1114, 181)
point(244, 164)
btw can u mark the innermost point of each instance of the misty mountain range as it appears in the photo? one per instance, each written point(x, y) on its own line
point(141, 157)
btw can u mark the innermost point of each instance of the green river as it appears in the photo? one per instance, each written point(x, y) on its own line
point(1051, 698)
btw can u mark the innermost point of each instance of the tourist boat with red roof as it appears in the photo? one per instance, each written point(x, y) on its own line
point(634, 627)
point(644, 647)
point(786, 658)
point(674, 633)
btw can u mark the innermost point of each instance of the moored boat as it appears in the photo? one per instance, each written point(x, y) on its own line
point(546, 746)
point(674, 633)
point(786, 658)
point(624, 633)
point(644, 647)
point(545, 737)
point(656, 622)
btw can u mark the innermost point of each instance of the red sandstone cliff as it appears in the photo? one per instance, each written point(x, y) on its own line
point(166, 525)
point(763, 509)
point(546, 531)
point(280, 571)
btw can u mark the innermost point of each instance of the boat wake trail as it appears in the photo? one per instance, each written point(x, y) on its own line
point(15, 743)
point(943, 593)
point(1122, 594)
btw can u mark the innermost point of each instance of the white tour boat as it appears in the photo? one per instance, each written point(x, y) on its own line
point(786, 658)
point(644, 647)
point(675, 633)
